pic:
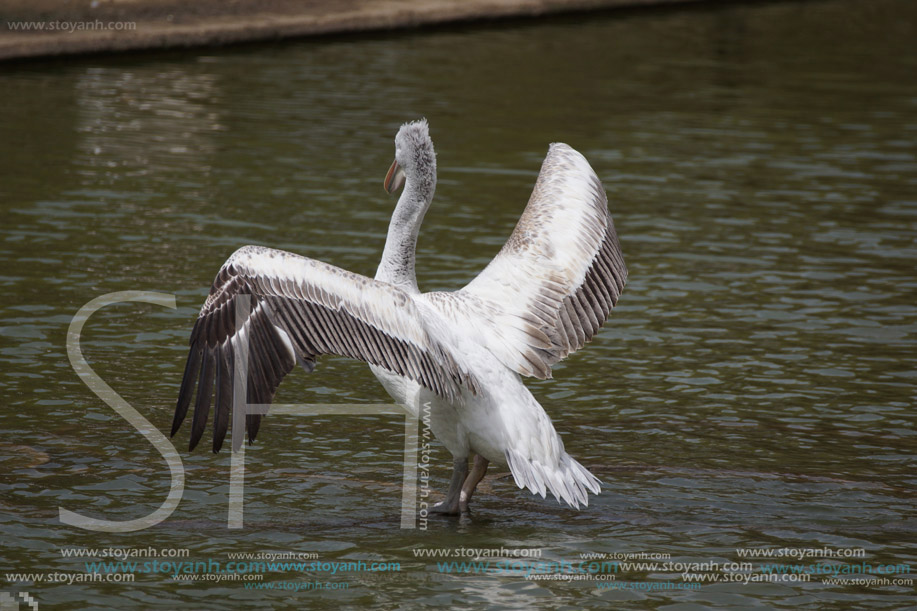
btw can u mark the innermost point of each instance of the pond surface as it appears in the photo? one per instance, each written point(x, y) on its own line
point(754, 389)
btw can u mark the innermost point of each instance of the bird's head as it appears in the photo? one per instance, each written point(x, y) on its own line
point(415, 159)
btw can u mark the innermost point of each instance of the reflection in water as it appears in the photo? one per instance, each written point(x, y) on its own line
point(754, 388)
point(145, 121)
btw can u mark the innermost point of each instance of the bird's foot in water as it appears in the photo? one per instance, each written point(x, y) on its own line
point(459, 506)
point(464, 499)
point(462, 487)
point(447, 509)
point(450, 505)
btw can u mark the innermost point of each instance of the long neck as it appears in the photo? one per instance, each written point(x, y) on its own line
point(397, 264)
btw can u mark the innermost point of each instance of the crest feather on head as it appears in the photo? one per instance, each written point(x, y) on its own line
point(415, 146)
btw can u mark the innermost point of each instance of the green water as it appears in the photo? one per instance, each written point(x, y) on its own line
point(755, 388)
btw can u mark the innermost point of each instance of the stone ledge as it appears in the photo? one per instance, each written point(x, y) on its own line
point(122, 25)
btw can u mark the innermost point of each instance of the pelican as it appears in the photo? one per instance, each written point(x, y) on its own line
point(459, 356)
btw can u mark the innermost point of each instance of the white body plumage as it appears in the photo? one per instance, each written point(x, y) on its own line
point(462, 353)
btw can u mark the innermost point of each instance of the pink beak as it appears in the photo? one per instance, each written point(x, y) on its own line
point(394, 179)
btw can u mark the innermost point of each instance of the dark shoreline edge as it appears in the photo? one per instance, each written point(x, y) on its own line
point(160, 27)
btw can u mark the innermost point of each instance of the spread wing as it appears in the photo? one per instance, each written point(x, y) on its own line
point(554, 283)
point(281, 309)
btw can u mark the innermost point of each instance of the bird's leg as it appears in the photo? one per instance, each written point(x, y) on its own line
point(451, 504)
point(471, 482)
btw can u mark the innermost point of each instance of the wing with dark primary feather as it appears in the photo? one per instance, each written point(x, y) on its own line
point(274, 309)
point(554, 283)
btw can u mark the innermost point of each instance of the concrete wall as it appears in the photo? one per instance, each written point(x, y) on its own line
point(32, 28)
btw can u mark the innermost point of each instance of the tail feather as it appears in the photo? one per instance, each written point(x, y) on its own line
point(567, 480)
